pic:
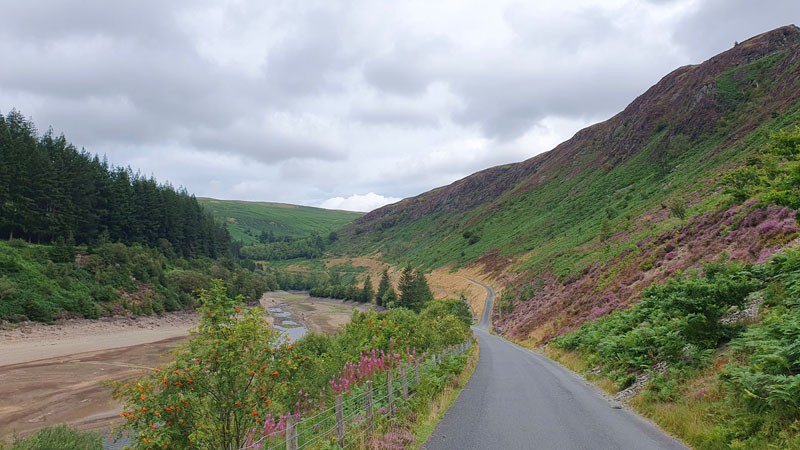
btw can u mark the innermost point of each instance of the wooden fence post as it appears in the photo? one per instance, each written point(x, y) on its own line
point(291, 433)
point(403, 382)
point(390, 394)
point(339, 420)
point(369, 407)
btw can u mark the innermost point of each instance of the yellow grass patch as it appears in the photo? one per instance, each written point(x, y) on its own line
point(444, 282)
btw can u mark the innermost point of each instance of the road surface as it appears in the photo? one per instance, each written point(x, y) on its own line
point(517, 399)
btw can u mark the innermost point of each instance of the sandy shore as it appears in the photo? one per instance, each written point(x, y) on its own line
point(34, 341)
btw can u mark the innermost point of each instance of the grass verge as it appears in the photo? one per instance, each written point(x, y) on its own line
point(58, 437)
point(423, 428)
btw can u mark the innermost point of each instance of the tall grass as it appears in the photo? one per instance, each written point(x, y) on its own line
point(58, 438)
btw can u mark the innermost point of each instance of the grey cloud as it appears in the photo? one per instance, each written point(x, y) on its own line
point(569, 32)
point(515, 101)
point(147, 20)
point(395, 116)
point(309, 55)
point(358, 89)
point(412, 64)
point(263, 145)
point(717, 24)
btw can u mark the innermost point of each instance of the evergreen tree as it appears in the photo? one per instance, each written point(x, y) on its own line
point(384, 287)
point(406, 288)
point(389, 298)
point(367, 293)
point(49, 190)
point(422, 291)
point(414, 289)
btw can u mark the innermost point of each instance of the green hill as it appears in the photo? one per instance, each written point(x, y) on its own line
point(583, 229)
point(655, 252)
point(246, 220)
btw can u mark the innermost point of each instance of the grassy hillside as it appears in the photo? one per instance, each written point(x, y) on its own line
point(655, 252)
point(583, 229)
point(246, 220)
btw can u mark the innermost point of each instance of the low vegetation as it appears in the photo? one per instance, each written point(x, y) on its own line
point(50, 282)
point(696, 322)
point(58, 437)
point(237, 376)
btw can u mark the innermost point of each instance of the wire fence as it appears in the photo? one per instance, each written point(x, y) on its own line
point(355, 415)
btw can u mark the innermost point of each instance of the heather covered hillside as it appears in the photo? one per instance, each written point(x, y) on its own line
point(580, 231)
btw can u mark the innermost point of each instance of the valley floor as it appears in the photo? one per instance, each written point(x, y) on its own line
point(54, 374)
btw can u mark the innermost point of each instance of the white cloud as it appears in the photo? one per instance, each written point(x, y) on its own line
point(357, 202)
point(299, 102)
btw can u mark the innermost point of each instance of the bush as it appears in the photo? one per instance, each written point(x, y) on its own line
point(677, 322)
point(60, 437)
point(457, 308)
point(221, 383)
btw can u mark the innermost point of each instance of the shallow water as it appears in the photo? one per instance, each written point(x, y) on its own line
point(287, 327)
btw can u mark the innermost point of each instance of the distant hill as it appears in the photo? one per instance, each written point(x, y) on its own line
point(246, 220)
point(582, 229)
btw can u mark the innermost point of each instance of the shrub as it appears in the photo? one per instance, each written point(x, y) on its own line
point(220, 386)
point(676, 322)
point(59, 437)
point(440, 308)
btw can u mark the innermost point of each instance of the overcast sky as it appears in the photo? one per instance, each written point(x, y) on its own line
point(345, 104)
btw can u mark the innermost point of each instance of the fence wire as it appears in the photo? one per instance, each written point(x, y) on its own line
point(321, 428)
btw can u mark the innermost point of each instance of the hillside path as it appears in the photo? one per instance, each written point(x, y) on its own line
point(517, 399)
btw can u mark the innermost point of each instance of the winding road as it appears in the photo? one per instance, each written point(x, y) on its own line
point(517, 399)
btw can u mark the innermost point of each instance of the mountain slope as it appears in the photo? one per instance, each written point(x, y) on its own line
point(579, 231)
point(246, 220)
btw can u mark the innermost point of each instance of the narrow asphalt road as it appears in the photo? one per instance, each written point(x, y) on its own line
point(517, 399)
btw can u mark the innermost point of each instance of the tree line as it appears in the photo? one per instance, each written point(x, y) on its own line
point(270, 248)
point(414, 291)
point(50, 190)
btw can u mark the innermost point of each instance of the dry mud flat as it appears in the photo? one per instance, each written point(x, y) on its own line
point(70, 389)
point(54, 374)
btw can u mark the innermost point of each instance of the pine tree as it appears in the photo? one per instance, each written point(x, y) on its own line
point(366, 292)
point(49, 189)
point(384, 286)
point(389, 298)
point(406, 286)
point(414, 289)
point(422, 291)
